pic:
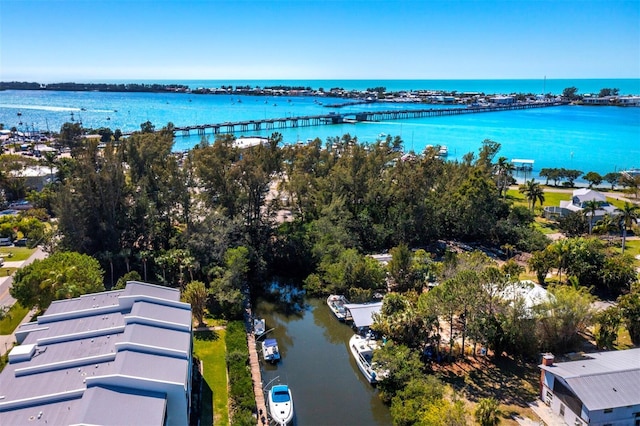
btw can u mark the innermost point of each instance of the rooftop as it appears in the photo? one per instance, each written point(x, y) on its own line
point(603, 379)
point(85, 356)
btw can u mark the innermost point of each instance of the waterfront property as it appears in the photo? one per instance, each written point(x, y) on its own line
point(600, 389)
point(579, 201)
point(116, 357)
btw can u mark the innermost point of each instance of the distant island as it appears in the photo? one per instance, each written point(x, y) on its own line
point(606, 96)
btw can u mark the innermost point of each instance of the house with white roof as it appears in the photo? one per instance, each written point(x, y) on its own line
point(121, 357)
point(578, 203)
point(601, 389)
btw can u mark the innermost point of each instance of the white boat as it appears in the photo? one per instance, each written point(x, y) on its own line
point(281, 404)
point(270, 350)
point(336, 303)
point(443, 151)
point(362, 350)
point(259, 326)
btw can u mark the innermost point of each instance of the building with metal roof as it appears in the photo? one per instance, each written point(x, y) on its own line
point(112, 358)
point(601, 389)
point(362, 313)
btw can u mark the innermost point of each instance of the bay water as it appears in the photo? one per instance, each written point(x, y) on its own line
point(587, 138)
point(328, 388)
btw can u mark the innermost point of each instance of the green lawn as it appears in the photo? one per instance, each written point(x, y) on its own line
point(631, 247)
point(15, 254)
point(210, 348)
point(550, 198)
point(12, 319)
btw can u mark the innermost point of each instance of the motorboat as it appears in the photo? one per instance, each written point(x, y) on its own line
point(259, 326)
point(443, 151)
point(270, 350)
point(336, 303)
point(362, 350)
point(281, 404)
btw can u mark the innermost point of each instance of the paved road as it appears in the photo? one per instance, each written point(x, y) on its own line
point(7, 340)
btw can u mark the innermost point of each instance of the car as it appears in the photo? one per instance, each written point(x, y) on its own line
point(5, 241)
point(21, 242)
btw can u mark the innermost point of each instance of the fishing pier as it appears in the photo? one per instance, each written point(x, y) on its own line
point(350, 117)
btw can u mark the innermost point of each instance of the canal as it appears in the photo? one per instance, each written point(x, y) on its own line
point(327, 387)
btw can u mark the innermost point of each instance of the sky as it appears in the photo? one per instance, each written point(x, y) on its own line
point(91, 40)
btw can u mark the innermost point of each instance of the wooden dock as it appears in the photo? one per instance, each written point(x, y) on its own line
point(254, 364)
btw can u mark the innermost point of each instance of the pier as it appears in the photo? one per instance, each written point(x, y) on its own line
point(350, 117)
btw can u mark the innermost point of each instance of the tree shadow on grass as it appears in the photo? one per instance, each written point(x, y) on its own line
point(507, 380)
point(206, 335)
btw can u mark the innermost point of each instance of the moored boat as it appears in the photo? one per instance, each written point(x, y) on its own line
point(270, 350)
point(281, 404)
point(362, 350)
point(259, 326)
point(336, 303)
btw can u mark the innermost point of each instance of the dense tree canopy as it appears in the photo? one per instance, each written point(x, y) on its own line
point(63, 275)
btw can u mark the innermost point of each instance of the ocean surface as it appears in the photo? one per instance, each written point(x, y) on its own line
point(600, 139)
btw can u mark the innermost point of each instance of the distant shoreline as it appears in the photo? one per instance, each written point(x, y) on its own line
point(308, 87)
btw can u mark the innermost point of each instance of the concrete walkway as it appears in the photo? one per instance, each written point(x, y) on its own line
point(545, 413)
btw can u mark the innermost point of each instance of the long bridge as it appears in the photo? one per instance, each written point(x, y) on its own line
point(350, 117)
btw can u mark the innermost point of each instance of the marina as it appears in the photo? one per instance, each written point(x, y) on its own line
point(316, 356)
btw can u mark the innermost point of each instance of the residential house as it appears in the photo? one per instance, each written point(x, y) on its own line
point(601, 389)
point(121, 357)
point(578, 203)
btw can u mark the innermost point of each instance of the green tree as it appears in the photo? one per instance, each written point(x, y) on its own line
point(533, 192)
point(408, 406)
point(612, 178)
point(487, 412)
point(62, 275)
point(503, 170)
point(593, 178)
point(196, 294)
point(400, 268)
point(226, 288)
point(629, 305)
point(402, 364)
point(607, 324)
point(590, 209)
point(563, 316)
point(573, 224)
point(570, 93)
point(628, 215)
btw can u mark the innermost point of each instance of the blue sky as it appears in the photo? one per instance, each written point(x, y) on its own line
point(86, 40)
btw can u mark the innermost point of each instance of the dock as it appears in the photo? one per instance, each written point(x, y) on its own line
point(254, 365)
point(332, 118)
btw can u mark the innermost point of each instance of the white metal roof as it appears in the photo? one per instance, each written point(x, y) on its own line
point(362, 314)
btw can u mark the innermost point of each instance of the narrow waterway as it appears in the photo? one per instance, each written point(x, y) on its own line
point(327, 387)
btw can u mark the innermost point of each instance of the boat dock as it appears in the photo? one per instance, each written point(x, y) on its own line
point(348, 117)
point(254, 365)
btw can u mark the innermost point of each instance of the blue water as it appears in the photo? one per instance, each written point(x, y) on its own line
point(600, 139)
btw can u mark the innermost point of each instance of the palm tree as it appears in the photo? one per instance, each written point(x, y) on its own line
point(605, 225)
point(627, 215)
point(487, 412)
point(503, 170)
point(533, 191)
point(592, 207)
